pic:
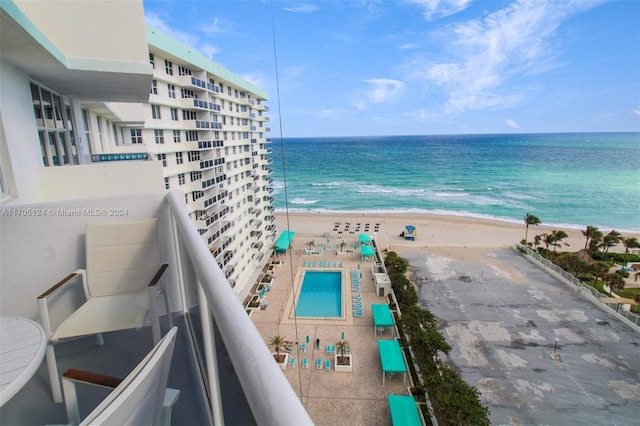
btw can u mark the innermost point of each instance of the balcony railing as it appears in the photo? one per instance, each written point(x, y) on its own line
point(266, 389)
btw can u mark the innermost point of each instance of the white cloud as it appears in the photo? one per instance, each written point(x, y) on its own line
point(156, 21)
point(485, 54)
point(209, 50)
point(636, 111)
point(383, 90)
point(301, 8)
point(441, 8)
point(512, 123)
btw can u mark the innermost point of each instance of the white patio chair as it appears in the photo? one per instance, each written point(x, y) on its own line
point(141, 398)
point(120, 285)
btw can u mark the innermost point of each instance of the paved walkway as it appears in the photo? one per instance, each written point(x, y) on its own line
point(503, 330)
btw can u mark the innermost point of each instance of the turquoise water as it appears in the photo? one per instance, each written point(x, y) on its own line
point(320, 295)
point(569, 180)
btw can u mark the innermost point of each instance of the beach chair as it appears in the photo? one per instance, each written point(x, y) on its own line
point(357, 314)
point(357, 306)
point(327, 365)
point(318, 364)
point(305, 362)
point(327, 350)
point(304, 264)
point(355, 288)
point(356, 298)
point(292, 362)
point(303, 347)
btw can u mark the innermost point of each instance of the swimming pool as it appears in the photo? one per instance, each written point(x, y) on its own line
point(320, 295)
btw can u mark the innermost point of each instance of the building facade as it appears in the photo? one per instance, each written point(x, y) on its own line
point(148, 99)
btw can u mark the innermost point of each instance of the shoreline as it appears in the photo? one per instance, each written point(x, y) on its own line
point(433, 230)
point(447, 214)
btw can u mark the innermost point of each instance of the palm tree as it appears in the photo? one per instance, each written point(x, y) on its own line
point(277, 342)
point(629, 243)
point(558, 236)
point(548, 240)
point(609, 240)
point(592, 232)
point(342, 349)
point(529, 219)
point(615, 281)
point(599, 270)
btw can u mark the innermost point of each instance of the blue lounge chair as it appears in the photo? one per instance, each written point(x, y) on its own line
point(357, 306)
point(303, 347)
point(304, 264)
point(305, 362)
point(357, 313)
point(318, 364)
point(327, 350)
point(327, 364)
point(292, 362)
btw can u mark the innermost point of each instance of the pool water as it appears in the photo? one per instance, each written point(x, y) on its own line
point(320, 295)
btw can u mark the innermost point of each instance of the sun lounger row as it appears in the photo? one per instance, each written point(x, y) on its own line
point(305, 363)
point(327, 364)
point(321, 264)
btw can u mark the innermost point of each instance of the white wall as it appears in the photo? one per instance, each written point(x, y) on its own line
point(100, 179)
point(40, 248)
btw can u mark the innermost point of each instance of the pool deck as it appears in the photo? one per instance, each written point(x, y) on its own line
point(331, 397)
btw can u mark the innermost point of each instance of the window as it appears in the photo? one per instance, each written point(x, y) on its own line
point(176, 136)
point(191, 135)
point(196, 195)
point(151, 61)
point(166, 183)
point(188, 115)
point(171, 89)
point(195, 176)
point(136, 135)
point(163, 158)
point(186, 93)
point(179, 159)
point(174, 114)
point(155, 112)
point(184, 71)
point(168, 67)
point(154, 87)
point(159, 135)
point(55, 127)
point(194, 155)
point(181, 179)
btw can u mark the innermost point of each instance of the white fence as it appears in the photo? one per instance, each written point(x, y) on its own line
point(590, 292)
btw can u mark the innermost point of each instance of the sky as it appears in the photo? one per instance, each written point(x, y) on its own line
point(413, 67)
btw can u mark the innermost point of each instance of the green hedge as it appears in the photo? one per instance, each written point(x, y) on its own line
point(454, 402)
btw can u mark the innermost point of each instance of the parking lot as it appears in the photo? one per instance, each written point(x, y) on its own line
point(505, 319)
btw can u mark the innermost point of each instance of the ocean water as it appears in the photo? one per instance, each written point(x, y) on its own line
point(570, 180)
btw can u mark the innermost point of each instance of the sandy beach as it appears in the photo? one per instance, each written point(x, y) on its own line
point(438, 232)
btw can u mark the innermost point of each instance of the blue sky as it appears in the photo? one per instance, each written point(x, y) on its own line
point(364, 67)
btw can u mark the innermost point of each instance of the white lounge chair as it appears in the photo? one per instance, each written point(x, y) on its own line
point(121, 286)
point(141, 398)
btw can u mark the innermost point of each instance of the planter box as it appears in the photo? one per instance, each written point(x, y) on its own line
point(343, 368)
point(282, 365)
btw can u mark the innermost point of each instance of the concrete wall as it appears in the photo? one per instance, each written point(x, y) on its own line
point(42, 243)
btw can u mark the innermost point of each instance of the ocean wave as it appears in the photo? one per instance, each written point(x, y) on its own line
point(450, 194)
point(330, 184)
point(302, 201)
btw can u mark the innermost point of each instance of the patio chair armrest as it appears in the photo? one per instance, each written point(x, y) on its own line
point(58, 286)
point(91, 378)
point(43, 299)
point(156, 278)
